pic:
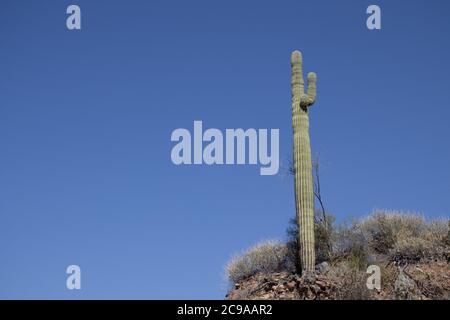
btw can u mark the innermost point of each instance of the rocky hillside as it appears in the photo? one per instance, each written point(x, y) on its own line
point(415, 282)
point(411, 254)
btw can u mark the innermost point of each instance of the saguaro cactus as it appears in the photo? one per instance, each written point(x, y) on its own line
point(304, 197)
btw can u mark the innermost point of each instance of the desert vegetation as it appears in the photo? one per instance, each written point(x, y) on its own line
point(412, 252)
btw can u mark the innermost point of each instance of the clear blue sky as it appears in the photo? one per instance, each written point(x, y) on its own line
point(86, 116)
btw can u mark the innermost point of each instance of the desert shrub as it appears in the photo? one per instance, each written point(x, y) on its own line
point(350, 245)
point(447, 239)
point(293, 245)
point(393, 235)
point(390, 235)
point(323, 233)
point(430, 244)
point(351, 281)
point(383, 229)
point(438, 232)
point(412, 250)
point(265, 257)
point(378, 232)
point(404, 237)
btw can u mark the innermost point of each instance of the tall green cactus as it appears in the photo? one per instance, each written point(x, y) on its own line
point(304, 197)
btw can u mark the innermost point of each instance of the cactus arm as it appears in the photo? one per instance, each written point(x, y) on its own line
point(312, 88)
point(308, 99)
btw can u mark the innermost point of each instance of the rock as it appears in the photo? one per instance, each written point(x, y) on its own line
point(404, 286)
point(427, 280)
point(322, 268)
point(291, 285)
point(321, 284)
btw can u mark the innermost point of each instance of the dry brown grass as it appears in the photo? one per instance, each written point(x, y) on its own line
point(265, 257)
point(404, 236)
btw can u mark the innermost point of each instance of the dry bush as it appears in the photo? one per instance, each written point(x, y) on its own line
point(351, 281)
point(404, 237)
point(438, 231)
point(386, 235)
point(412, 250)
point(350, 245)
point(382, 229)
point(323, 233)
point(293, 245)
point(415, 250)
point(447, 238)
point(265, 257)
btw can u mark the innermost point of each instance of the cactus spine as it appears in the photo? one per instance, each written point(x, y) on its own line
point(304, 197)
